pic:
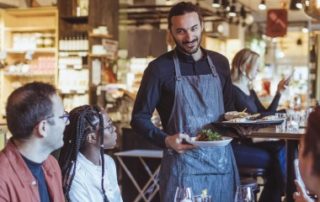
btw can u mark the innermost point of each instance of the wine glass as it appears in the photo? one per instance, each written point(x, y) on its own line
point(244, 194)
point(183, 194)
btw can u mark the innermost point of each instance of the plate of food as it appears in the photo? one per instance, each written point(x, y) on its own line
point(245, 119)
point(209, 138)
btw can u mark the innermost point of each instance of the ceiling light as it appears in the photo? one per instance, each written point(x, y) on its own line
point(299, 4)
point(216, 3)
point(307, 2)
point(305, 29)
point(243, 12)
point(249, 19)
point(232, 11)
point(262, 5)
point(169, 2)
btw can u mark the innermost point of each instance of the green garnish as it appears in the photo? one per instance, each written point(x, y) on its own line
point(204, 193)
point(212, 135)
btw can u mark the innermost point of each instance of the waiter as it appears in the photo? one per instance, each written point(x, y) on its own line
point(190, 87)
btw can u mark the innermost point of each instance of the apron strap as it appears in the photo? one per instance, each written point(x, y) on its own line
point(212, 66)
point(178, 71)
point(176, 66)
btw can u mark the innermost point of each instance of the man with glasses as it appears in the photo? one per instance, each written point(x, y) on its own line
point(36, 119)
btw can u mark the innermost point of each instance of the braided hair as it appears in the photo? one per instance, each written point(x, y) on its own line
point(83, 121)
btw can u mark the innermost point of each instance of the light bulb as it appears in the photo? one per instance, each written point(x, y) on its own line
point(262, 5)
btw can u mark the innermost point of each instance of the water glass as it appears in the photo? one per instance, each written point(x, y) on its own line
point(183, 194)
point(293, 122)
point(306, 115)
point(201, 198)
point(244, 194)
point(281, 127)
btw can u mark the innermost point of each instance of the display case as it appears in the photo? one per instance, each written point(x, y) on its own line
point(30, 48)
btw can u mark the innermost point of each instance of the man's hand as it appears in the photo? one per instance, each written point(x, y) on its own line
point(301, 194)
point(175, 142)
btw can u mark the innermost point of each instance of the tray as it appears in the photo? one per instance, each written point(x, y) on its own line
point(218, 143)
point(249, 123)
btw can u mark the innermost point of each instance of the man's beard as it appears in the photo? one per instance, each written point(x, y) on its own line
point(186, 51)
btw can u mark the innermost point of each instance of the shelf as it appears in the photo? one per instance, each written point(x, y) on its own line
point(30, 29)
point(66, 53)
point(38, 50)
point(73, 92)
point(28, 74)
point(104, 56)
point(107, 36)
point(75, 19)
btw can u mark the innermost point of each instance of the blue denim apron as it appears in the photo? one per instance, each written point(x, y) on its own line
point(198, 102)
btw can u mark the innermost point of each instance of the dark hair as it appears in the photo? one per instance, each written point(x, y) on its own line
point(181, 9)
point(312, 139)
point(27, 106)
point(83, 121)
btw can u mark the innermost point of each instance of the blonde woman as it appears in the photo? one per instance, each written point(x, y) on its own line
point(244, 69)
point(267, 155)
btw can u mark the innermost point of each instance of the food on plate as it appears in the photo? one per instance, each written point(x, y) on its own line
point(208, 135)
point(234, 114)
point(204, 193)
point(253, 116)
point(237, 117)
point(268, 118)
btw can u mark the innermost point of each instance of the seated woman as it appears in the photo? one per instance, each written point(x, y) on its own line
point(269, 155)
point(89, 174)
point(309, 160)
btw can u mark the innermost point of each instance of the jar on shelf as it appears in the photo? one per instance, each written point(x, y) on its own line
point(48, 40)
point(39, 40)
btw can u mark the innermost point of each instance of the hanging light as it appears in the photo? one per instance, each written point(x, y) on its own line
point(307, 2)
point(299, 4)
point(169, 2)
point(243, 12)
point(262, 5)
point(232, 12)
point(305, 29)
point(225, 4)
point(216, 4)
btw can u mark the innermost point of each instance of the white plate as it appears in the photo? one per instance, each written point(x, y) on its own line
point(218, 143)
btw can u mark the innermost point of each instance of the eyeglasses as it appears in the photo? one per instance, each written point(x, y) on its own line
point(64, 117)
point(109, 126)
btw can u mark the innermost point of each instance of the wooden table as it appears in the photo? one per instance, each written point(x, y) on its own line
point(292, 140)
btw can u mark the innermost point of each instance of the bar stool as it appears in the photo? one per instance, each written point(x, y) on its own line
point(253, 173)
point(252, 183)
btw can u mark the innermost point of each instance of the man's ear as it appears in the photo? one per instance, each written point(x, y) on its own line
point(92, 138)
point(41, 129)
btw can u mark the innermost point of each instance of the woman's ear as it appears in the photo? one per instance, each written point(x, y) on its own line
point(92, 138)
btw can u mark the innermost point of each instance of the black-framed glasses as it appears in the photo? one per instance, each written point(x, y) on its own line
point(109, 126)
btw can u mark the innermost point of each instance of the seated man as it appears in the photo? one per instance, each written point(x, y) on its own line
point(36, 120)
point(309, 159)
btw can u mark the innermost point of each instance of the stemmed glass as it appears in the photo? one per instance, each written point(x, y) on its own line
point(183, 194)
point(244, 194)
